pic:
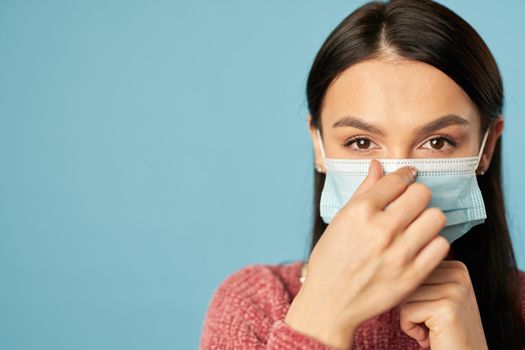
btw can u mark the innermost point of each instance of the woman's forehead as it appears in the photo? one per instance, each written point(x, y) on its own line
point(395, 93)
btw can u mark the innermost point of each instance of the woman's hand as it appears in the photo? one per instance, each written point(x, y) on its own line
point(443, 313)
point(378, 248)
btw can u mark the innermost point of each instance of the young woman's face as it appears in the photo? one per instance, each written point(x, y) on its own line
point(398, 109)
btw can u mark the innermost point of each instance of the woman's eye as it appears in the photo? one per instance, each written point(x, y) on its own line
point(364, 144)
point(359, 143)
point(440, 143)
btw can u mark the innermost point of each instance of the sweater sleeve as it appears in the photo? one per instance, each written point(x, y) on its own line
point(247, 312)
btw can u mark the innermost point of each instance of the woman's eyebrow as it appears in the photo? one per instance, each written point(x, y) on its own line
point(440, 123)
point(359, 124)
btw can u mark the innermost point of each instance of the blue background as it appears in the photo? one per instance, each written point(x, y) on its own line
point(148, 149)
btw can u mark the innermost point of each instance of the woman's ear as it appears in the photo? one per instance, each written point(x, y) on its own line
point(318, 159)
point(495, 131)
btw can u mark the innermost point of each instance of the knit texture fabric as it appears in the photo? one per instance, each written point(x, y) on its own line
point(248, 309)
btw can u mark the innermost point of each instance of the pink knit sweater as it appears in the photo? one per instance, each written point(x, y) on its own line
point(248, 309)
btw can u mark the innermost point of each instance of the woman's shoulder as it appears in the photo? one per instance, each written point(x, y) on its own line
point(261, 280)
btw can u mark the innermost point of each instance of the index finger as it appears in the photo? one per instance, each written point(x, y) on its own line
point(390, 186)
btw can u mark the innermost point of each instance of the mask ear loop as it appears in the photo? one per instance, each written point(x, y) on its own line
point(320, 143)
point(482, 147)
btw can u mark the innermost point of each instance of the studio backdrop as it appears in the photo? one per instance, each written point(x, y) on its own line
point(148, 149)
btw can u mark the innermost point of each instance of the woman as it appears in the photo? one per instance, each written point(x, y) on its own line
point(401, 262)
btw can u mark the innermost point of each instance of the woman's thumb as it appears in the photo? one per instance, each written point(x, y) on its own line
point(375, 172)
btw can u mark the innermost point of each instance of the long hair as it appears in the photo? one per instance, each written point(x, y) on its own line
point(429, 32)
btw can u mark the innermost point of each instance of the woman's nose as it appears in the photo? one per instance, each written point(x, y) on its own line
point(398, 152)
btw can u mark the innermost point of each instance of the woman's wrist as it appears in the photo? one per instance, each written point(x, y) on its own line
point(306, 320)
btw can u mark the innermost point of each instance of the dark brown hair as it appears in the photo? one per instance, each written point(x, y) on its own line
point(426, 31)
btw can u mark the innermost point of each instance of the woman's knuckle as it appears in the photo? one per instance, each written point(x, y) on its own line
point(392, 259)
point(380, 240)
point(455, 275)
point(437, 215)
point(460, 265)
point(422, 190)
point(448, 309)
point(404, 312)
point(387, 227)
point(398, 178)
point(401, 258)
point(460, 275)
point(457, 291)
point(363, 206)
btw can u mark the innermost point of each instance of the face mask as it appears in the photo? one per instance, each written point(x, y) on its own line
point(452, 181)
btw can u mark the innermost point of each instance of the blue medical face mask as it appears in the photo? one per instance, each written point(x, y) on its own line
point(452, 181)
